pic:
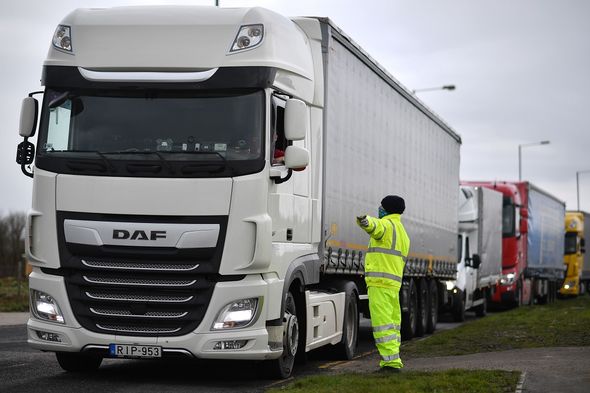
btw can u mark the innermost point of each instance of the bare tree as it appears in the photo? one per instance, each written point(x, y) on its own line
point(12, 244)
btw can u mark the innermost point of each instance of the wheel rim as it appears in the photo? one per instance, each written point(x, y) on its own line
point(292, 336)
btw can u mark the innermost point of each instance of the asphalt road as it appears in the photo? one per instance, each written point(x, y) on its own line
point(23, 369)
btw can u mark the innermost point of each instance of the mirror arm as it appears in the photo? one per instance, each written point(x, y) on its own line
point(36, 92)
point(279, 180)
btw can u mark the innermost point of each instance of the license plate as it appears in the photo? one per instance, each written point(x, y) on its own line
point(135, 351)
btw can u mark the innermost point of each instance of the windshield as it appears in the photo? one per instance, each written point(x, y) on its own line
point(153, 126)
point(508, 227)
point(571, 242)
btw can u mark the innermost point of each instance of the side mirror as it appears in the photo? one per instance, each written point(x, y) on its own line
point(524, 225)
point(475, 261)
point(28, 117)
point(296, 158)
point(296, 120)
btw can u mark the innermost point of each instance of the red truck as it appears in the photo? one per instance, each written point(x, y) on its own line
point(532, 249)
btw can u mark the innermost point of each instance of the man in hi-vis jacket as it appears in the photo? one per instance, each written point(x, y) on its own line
point(384, 269)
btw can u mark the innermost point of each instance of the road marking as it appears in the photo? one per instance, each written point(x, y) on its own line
point(15, 365)
point(279, 382)
point(340, 362)
point(520, 383)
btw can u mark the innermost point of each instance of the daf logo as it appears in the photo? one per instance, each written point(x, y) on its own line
point(122, 234)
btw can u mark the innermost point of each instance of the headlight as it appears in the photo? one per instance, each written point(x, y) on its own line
point(62, 38)
point(237, 314)
point(450, 285)
point(569, 284)
point(44, 307)
point(249, 36)
point(507, 279)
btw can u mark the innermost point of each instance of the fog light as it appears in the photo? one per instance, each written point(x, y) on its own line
point(235, 344)
point(47, 336)
point(566, 286)
point(44, 307)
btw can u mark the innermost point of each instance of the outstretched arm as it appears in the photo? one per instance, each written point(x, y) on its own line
point(372, 226)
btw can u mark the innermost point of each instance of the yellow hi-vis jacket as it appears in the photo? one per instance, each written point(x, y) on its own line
point(387, 252)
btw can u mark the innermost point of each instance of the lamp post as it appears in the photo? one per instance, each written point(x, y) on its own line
point(445, 87)
point(578, 185)
point(520, 155)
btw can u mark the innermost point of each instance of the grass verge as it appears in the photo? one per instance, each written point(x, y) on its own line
point(476, 381)
point(11, 297)
point(563, 323)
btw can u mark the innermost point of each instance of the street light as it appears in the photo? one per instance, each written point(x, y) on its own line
point(578, 185)
point(446, 87)
point(520, 155)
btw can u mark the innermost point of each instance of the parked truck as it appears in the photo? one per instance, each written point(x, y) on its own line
point(577, 275)
point(165, 224)
point(532, 249)
point(480, 251)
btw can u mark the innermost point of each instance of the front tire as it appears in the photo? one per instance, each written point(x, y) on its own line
point(78, 362)
point(346, 348)
point(282, 367)
point(459, 307)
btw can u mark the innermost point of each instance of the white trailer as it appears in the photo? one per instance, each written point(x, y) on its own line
point(166, 223)
point(480, 250)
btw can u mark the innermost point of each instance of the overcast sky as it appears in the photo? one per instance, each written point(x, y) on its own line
point(521, 67)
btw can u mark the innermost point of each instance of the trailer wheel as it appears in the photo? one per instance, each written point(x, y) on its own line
point(459, 307)
point(346, 348)
point(78, 362)
point(432, 306)
point(482, 309)
point(422, 312)
point(409, 318)
point(283, 366)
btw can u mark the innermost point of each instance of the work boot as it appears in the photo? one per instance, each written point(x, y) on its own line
point(390, 370)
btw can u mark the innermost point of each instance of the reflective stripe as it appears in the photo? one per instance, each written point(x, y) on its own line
point(386, 327)
point(384, 339)
point(394, 235)
point(390, 357)
point(386, 251)
point(384, 275)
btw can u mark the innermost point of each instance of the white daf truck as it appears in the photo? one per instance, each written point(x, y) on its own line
point(196, 179)
point(480, 251)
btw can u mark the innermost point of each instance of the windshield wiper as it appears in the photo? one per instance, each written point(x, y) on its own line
point(139, 152)
point(107, 162)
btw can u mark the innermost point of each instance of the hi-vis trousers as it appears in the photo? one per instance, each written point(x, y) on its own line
point(386, 320)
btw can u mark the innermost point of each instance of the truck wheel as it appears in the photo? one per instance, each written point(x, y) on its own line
point(482, 309)
point(409, 318)
point(432, 306)
point(346, 348)
point(459, 307)
point(283, 366)
point(78, 362)
point(422, 317)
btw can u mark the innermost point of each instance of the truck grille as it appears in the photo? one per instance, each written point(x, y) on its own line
point(140, 291)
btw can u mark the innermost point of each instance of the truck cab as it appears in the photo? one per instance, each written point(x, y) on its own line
point(575, 248)
point(513, 288)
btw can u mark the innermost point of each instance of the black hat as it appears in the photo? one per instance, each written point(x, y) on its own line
point(393, 204)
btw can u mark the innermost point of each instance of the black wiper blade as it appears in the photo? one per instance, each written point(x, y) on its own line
point(107, 162)
point(139, 152)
